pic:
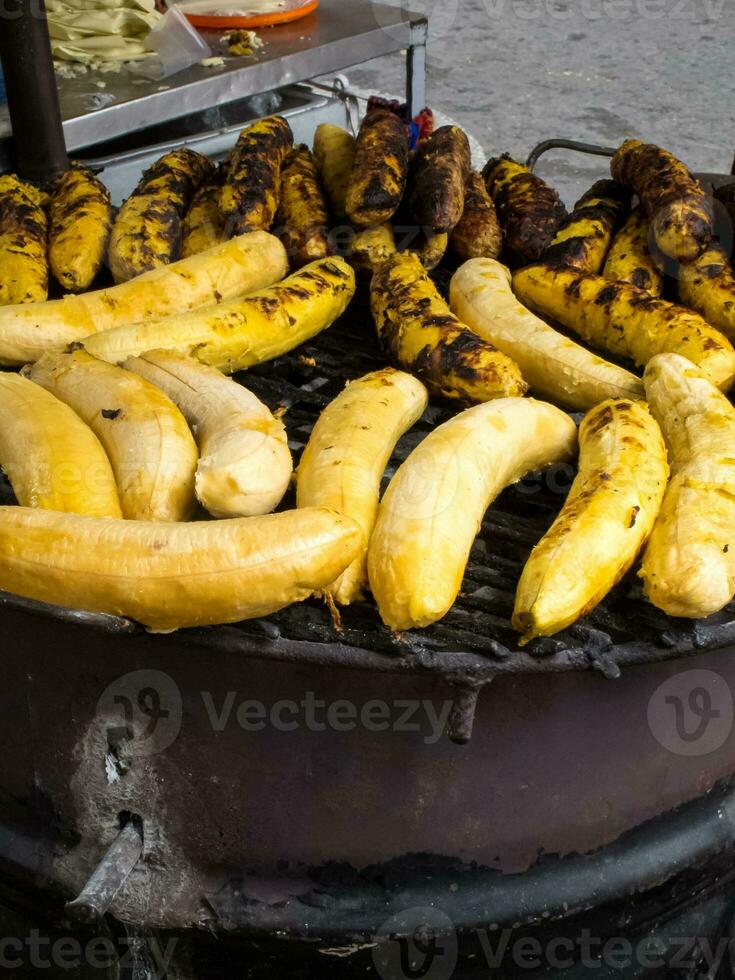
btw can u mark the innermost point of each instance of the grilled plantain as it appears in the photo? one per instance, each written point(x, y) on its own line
point(437, 177)
point(379, 171)
point(249, 197)
point(477, 234)
point(726, 196)
point(707, 285)
point(603, 524)
point(23, 231)
point(625, 320)
point(371, 246)
point(421, 334)
point(689, 565)
point(147, 231)
point(80, 215)
point(553, 365)
point(434, 505)
point(204, 226)
point(529, 211)
point(630, 259)
point(675, 204)
point(334, 152)
point(583, 240)
point(430, 246)
point(302, 213)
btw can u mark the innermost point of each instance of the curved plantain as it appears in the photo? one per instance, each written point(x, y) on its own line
point(629, 258)
point(146, 438)
point(553, 365)
point(204, 226)
point(422, 335)
point(430, 247)
point(688, 567)
point(302, 213)
point(347, 453)
point(604, 523)
point(477, 233)
point(625, 320)
point(236, 335)
point(433, 508)
point(334, 152)
point(707, 285)
point(249, 197)
point(23, 233)
point(51, 458)
point(147, 231)
point(80, 216)
point(170, 576)
point(584, 238)
point(244, 462)
point(379, 170)
point(229, 270)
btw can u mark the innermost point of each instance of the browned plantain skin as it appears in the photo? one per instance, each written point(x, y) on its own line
point(530, 211)
point(23, 242)
point(671, 197)
point(249, 198)
point(302, 218)
point(477, 235)
point(584, 238)
point(437, 177)
point(379, 171)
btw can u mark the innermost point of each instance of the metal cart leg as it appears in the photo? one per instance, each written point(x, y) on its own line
point(416, 70)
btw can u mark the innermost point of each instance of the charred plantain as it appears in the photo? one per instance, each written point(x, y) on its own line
point(707, 285)
point(437, 178)
point(630, 259)
point(584, 238)
point(371, 246)
point(379, 171)
point(421, 334)
point(204, 226)
point(249, 197)
point(147, 231)
point(302, 213)
point(530, 211)
point(477, 235)
point(80, 216)
point(675, 204)
point(23, 230)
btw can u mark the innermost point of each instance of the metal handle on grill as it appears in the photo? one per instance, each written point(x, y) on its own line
point(109, 876)
point(593, 149)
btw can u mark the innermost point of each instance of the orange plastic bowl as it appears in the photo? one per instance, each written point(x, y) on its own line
point(294, 11)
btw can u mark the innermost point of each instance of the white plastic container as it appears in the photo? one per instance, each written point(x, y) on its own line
point(177, 44)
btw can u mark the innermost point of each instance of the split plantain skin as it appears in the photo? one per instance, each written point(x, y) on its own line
point(334, 152)
point(152, 452)
point(147, 231)
point(437, 177)
point(583, 240)
point(433, 508)
point(80, 214)
point(675, 204)
point(170, 576)
point(379, 171)
point(629, 258)
point(347, 453)
point(234, 336)
point(244, 464)
point(554, 366)
point(249, 197)
point(477, 234)
point(625, 320)
point(707, 285)
point(603, 524)
point(51, 458)
point(689, 564)
point(422, 335)
point(302, 218)
point(23, 232)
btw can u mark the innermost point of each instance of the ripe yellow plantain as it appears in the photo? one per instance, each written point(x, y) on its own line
point(553, 365)
point(707, 285)
point(80, 214)
point(223, 273)
point(434, 505)
point(152, 451)
point(23, 232)
point(421, 334)
point(689, 565)
point(371, 246)
point(630, 259)
point(334, 152)
point(51, 458)
point(169, 576)
point(603, 524)
point(347, 453)
point(244, 463)
point(625, 320)
point(236, 335)
point(584, 238)
point(249, 197)
point(302, 218)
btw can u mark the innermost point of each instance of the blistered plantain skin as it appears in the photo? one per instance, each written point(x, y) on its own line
point(604, 523)
point(625, 320)
point(23, 230)
point(147, 231)
point(675, 204)
point(379, 171)
point(707, 285)
point(249, 198)
point(437, 178)
point(477, 234)
point(421, 334)
point(529, 211)
point(334, 152)
point(583, 240)
point(302, 218)
point(630, 259)
point(204, 226)
point(80, 219)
